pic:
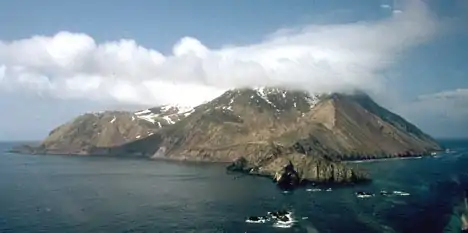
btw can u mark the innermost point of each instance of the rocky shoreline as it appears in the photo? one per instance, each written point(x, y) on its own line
point(278, 165)
point(293, 170)
point(307, 168)
point(291, 136)
point(286, 167)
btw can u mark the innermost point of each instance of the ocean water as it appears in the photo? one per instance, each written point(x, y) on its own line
point(91, 194)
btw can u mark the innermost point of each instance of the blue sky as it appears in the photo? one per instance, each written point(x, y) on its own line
point(59, 59)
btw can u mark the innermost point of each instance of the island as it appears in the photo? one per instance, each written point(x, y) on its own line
point(292, 136)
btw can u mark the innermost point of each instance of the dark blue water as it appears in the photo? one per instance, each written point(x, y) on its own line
point(89, 194)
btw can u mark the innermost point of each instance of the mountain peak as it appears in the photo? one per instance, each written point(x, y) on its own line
point(275, 99)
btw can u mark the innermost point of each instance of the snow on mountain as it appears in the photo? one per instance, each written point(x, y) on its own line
point(272, 94)
point(277, 98)
point(164, 115)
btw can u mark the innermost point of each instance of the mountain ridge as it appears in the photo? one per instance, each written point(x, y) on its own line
point(220, 111)
point(275, 106)
point(264, 128)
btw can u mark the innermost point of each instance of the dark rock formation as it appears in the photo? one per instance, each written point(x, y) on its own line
point(287, 178)
point(292, 170)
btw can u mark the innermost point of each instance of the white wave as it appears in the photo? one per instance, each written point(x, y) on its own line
point(282, 225)
point(253, 221)
point(314, 190)
point(400, 193)
point(364, 195)
point(285, 224)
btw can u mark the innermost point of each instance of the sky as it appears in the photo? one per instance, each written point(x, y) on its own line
point(62, 58)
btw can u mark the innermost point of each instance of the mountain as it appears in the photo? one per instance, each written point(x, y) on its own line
point(261, 131)
point(108, 129)
point(246, 121)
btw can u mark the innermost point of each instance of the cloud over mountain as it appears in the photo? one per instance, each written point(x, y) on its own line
point(450, 103)
point(314, 57)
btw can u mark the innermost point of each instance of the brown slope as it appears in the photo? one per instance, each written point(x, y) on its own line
point(91, 131)
point(106, 129)
point(244, 122)
point(395, 120)
point(348, 130)
point(232, 124)
point(266, 127)
point(247, 121)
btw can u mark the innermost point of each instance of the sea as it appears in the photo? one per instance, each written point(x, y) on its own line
point(68, 194)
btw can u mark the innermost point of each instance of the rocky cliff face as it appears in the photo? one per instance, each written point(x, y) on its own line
point(292, 169)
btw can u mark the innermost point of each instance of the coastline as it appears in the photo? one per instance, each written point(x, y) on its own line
point(386, 159)
point(29, 150)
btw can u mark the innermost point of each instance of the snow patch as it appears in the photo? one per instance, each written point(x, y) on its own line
point(263, 93)
point(186, 114)
point(180, 109)
point(147, 118)
point(165, 112)
point(227, 108)
point(113, 120)
point(169, 120)
point(312, 100)
point(138, 136)
point(143, 112)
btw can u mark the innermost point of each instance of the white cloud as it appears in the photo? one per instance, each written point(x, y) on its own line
point(457, 94)
point(386, 6)
point(449, 104)
point(315, 57)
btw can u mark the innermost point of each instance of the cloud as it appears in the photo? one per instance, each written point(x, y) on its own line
point(336, 57)
point(449, 104)
point(457, 94)
point(442, 114)
point(386, 6)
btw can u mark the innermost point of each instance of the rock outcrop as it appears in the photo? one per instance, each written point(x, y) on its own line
point(291, 170)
